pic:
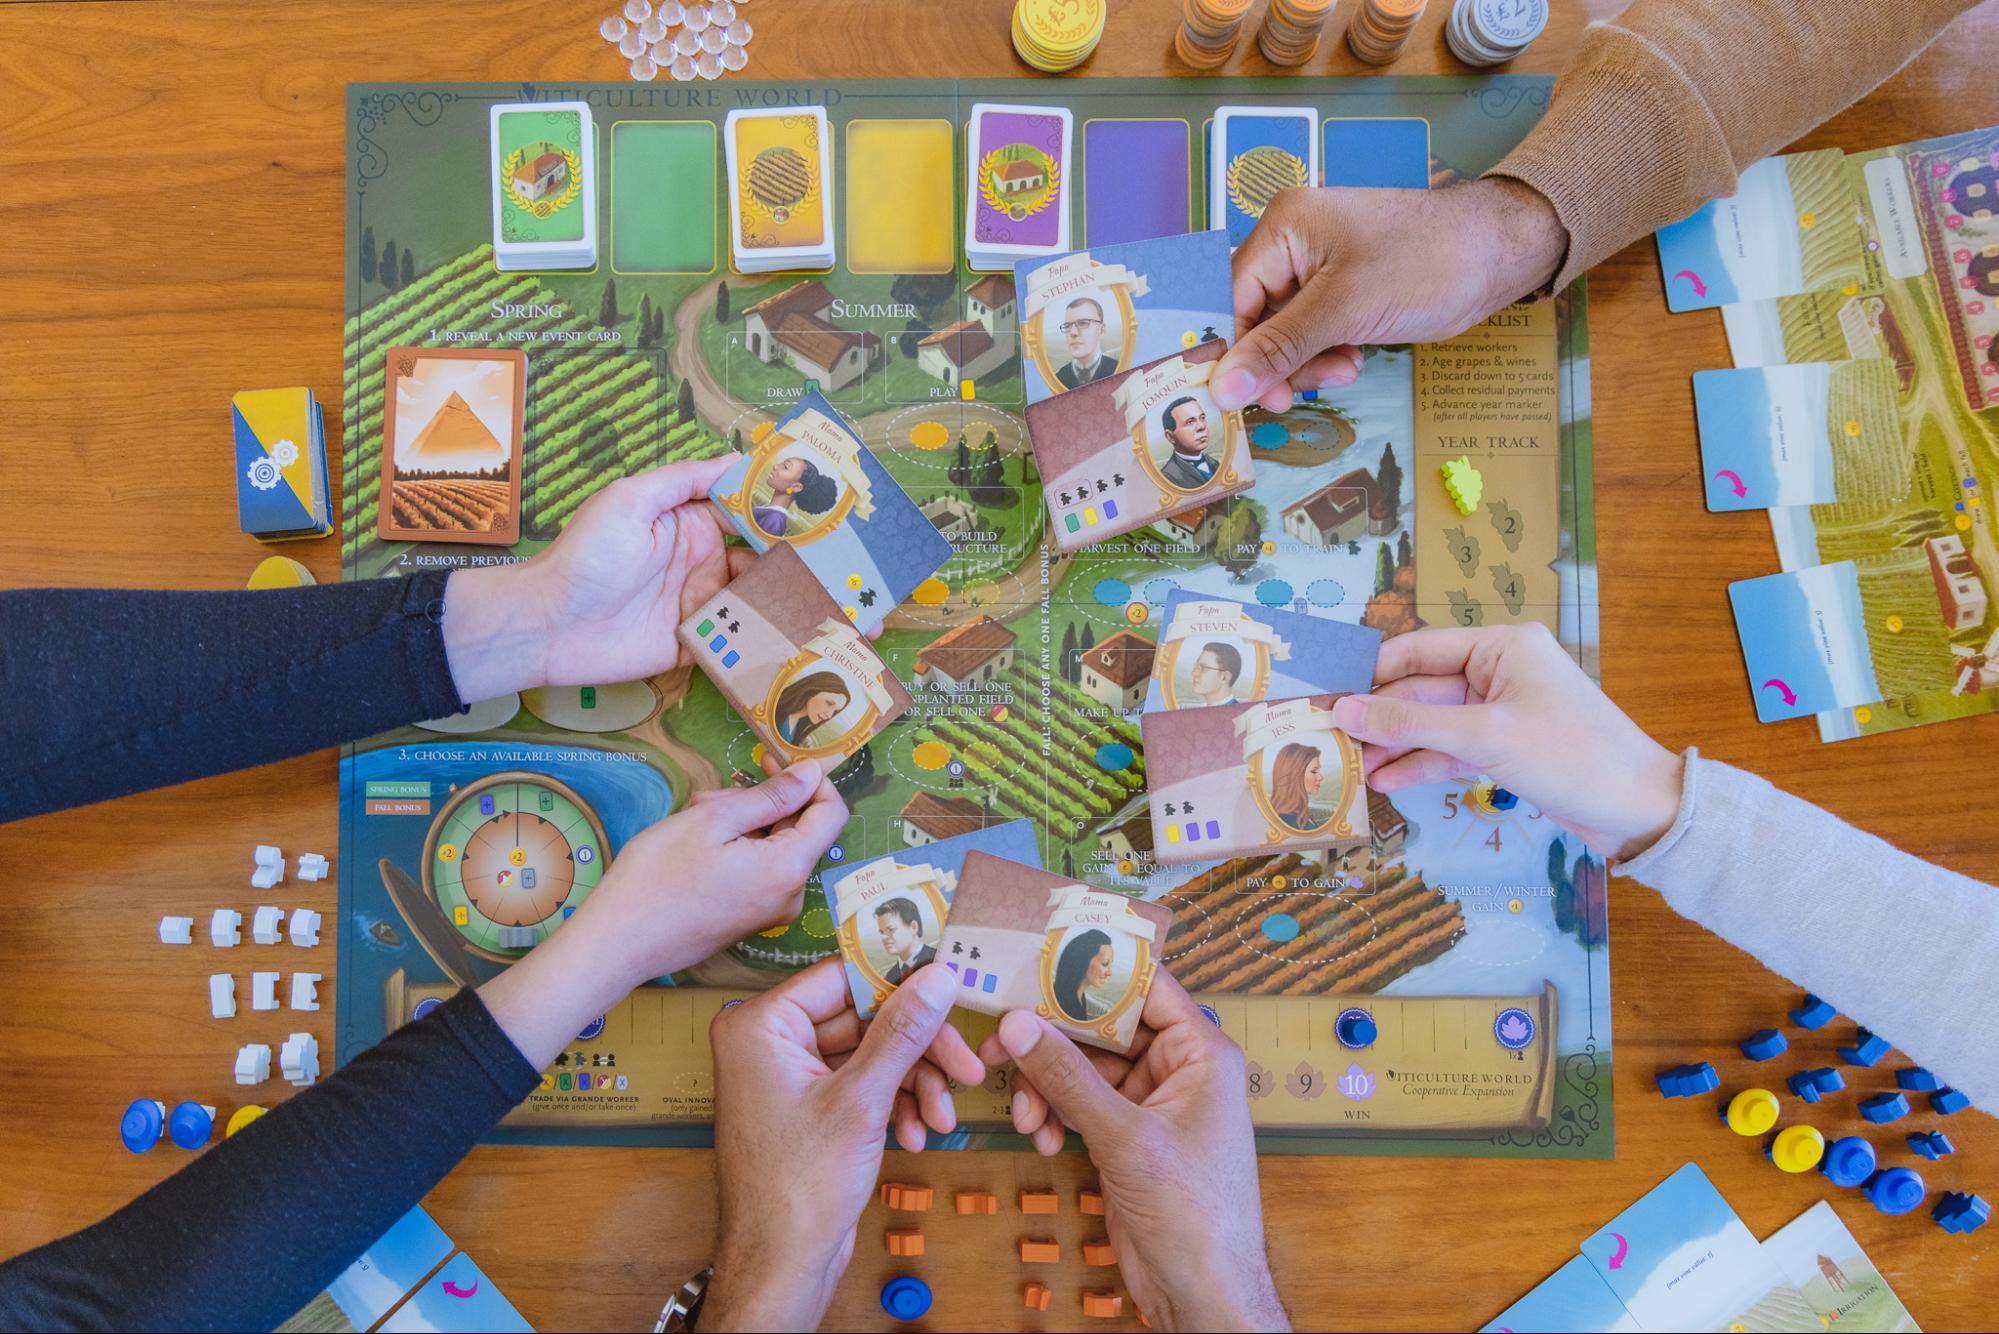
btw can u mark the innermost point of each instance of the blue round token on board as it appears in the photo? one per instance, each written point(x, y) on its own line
point(1848, 1161)
point(190, 1125)
point(1274, 592)
point(906, 1298)
point(1897, 1190)
point(1280, 927)
point(424, 1007)
point(956, 768)
point(1111, 592)
point(1355, 1028)
point(1114, 757)
point(1213, 1018)
point(836, 853)
point(140, 1127)
point(1268, 435)
point(1513, 1028)
point(591, 1029)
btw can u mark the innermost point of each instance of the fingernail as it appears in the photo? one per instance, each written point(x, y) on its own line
point(1340, 379)
point(1019, 1033)
point(1232, 388)
point(1350, 714)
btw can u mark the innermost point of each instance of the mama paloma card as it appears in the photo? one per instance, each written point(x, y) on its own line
point(808, 683)
point(1121, 452)
point(1020, 938)
point(1240, 779)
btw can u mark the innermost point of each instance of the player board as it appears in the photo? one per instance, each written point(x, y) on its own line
point(1470, 932)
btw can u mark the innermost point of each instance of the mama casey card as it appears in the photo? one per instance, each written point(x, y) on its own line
point(1121, 452)
point(1217, 651)
point(810, 484)
point(1020, 938)
point(805, 679)
point(1240, 779)
point(889, 912)
point(1088, 315)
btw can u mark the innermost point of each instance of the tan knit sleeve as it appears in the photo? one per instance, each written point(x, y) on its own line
point(1664, 105)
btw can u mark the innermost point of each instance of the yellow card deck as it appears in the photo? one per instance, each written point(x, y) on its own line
point(780, 189)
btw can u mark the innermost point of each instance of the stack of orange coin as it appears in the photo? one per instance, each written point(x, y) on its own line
point(1290, 32)
point(1208, 31)
point(1381, 28)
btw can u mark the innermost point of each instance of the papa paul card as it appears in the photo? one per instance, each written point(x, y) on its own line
point(1121, 452)
point(1240, 779)
point(889, 912)
point(451, 445)
point(1020, 938)
point(805, 679)
point(1087, 315)
point(810, 484)
point(1215, 651)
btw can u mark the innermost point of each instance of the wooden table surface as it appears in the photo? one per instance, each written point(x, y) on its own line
point(171, 232)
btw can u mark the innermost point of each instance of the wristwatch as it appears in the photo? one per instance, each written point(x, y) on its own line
point(684, 1306)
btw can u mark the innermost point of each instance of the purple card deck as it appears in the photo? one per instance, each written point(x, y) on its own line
point(1122, 452)
point(1252, 779)
point(1017, 184)
point(780, 649)
point(1020, 938)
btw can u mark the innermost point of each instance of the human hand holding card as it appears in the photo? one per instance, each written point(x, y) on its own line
point(1218, 651)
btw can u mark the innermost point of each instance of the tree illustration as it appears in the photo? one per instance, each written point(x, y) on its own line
point(408, 270)
point(1404, 551)
point(960, 471)
point(645, 321)
point(686, 400)
point(1239, 539)
point(1067, 664)
point(1384, 569)
point(368, 255)
point(721, 303)
point(853, 777)
point(1388, 477)
point(607, 309)
point(387, 268)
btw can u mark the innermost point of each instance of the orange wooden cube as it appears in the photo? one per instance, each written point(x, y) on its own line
point(1035, 1298)
point(914, 1199)
point(1090, 1202)
point(1039, 1252)
point(905, 1241)
point(1040, 1202)
point(977, 1202)
point(1103, 1305)
point(1098, 1253)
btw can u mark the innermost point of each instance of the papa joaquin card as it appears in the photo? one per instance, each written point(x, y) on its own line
point(1217, 651)
point(1086, 316)
point(805, 679)
point(1121, 452)
point(810, 484)
point(451, 445)
point(1020, 938)
point(1237, 779)
point(889, 912)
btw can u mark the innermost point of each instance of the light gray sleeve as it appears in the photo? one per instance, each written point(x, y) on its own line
point(1907, 949)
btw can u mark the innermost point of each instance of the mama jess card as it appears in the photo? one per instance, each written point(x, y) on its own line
point(805, 679)
point(1239, 779)
point(1120, 452)
point(810, 484)
point(889, 912)
point(1214, 650)
point(1020, 938)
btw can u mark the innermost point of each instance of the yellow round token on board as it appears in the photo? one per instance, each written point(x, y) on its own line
point(1270, 548)
point(1752, 1111)
point(447, 852)
point(280, 572)
point(1849, 290)
point(929, 435)
point(1189, 338)
point(853, 581)
point(931, 755)
point(853, 613)
point(1894, 624)
point(1863, 714)
point(1124, 867)
point(1136, 613)
point(932, 592)
point(241, 1117)
point(757, 754)
point(1278, 882)
point(518, 857)
point(1797, 1148)
point(1963, 522)
point(1514, 905)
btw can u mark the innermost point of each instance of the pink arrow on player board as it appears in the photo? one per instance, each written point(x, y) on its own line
point(456, 1291)
point(1700, 288)
point(1734, 481)
point(1790, 696)
point(1623, 1249)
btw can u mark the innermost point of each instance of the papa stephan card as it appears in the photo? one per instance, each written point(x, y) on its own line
point(889, 912)
point(1020, 938)
point(1121, 452)
point(1241, 779)
point(805, 679)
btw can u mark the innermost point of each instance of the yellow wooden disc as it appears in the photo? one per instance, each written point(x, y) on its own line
point(1797, 1148)
point(280, 572)
point(241, 1117)
point(1752, 1112)
point(930, 593)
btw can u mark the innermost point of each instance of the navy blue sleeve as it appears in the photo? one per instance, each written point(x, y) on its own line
point(105, 692)
point(260, 1224)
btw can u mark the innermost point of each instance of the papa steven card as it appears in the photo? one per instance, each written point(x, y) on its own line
point(1237, 779)
point(1020, 938)
point(810, 484)
point(1088, 315)
point(805, 679)
point(1121, 452)
point(889, 912)
point(1217, 651)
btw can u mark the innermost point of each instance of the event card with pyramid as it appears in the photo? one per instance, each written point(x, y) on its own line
point(451, 446)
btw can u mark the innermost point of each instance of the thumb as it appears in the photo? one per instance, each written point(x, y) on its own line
point(1062, 1074)
point(1272, 350)
point(1401, 724)
point(674, 484)
point(898, 1036)
point(737, 811)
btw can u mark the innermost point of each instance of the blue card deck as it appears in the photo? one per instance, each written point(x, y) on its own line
point(1809, 434)
point(1257, 152)
point(281, 491)
point(810, 484)
point(1213, 650)
point(1087, 315)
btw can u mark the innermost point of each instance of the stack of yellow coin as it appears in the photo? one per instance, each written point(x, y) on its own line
point(1381, 28)
point(1290, 32)
point(1208, 31)
point(1057, 35)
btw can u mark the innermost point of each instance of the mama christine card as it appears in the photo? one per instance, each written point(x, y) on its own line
point(810, 484)
point(1218, 651)
point(1119, 453)
point(889, 912)
point(804, 678)
point(1250, 778)
point(1020, 938)
point(1088, 315)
